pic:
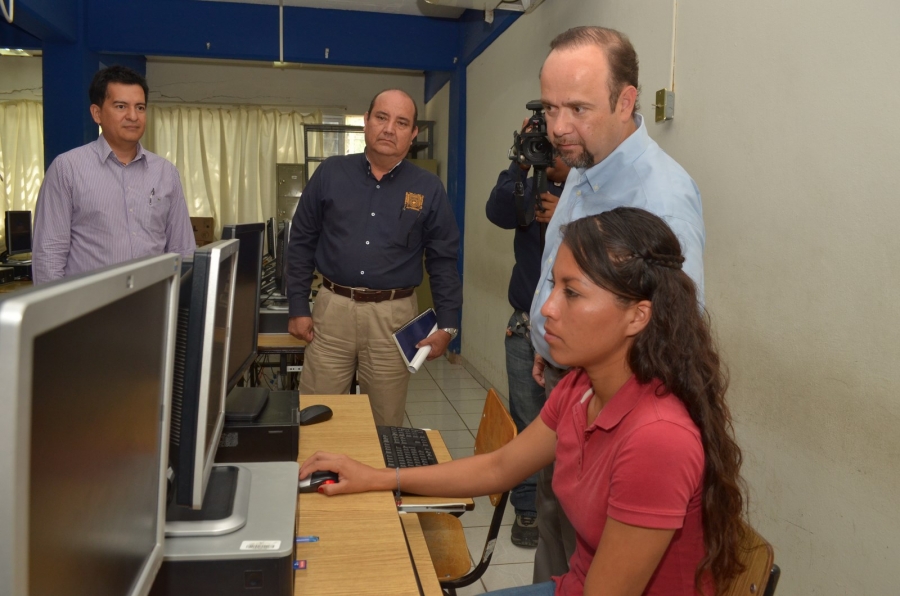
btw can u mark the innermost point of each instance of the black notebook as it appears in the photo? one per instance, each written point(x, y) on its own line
point(411, 334)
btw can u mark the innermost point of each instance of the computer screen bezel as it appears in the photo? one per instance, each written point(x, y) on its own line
point(272, 236)
point(25, 316)
point(244, 232)
point(286, 232)
point(198, 459)
point(10, 249)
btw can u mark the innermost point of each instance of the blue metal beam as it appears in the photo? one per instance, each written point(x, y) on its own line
point(49, 20)
point(12, 36)
point(456, 168)
point(228, 30)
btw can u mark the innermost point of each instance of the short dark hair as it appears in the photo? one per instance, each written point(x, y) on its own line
point(115, 74)
point(622, 58)
point(415, 107)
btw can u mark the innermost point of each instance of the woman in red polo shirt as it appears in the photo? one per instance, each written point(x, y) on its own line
point(646, 467)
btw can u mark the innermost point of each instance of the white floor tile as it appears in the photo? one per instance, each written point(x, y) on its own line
point(467, 394)
point(439, 422)
point(425, 395)
point(450, 373)
point(469, 406)
point(441, 363)
point(430, 407)
point(508, 576)
point(460, 453)
point(422, 384)
point(468, 383)
point(458, 439)
point(473, 590)
point(472, 421)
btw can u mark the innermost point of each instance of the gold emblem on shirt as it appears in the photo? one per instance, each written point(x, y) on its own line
point(414, 201)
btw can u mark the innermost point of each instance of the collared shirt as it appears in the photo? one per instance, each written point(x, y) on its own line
point(639, 462)
point(93, 211)
point(367, 233)
point(501, 211)
point(638, 173)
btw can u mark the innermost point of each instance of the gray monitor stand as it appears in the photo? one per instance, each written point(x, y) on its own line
point(258, 556)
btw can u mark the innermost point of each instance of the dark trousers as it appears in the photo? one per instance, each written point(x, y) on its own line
point(556, 536)
point(526, 398)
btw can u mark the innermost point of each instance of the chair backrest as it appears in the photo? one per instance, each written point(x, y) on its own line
point(758, 559)
point(495, 430)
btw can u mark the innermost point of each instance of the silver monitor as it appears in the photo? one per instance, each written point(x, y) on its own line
point(201, 367)
point(86, 368)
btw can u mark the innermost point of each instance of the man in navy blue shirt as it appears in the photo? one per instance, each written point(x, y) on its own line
point(526, 397)
point(364, 222)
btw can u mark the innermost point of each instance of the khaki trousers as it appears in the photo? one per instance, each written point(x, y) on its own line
point(355, 337)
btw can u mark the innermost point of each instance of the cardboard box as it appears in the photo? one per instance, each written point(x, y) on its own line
point(204, 230)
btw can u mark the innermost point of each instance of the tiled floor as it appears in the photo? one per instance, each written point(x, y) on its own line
point(446, 397)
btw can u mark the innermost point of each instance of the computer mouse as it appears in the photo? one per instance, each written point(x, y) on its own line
point(311, 483)
point(314, 414)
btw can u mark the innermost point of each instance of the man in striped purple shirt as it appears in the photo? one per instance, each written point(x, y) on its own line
point(109, 201)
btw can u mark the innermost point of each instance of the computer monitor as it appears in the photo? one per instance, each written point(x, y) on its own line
point(86, 364)
point(201, 368)
point(245, 322)
point(271, 234)
point(18, 232)
point(286, 234)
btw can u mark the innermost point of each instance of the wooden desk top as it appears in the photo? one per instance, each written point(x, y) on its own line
point(13, 286)
point(282, 343)
point(361, 548)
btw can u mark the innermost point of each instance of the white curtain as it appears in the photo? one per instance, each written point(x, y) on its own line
point(21, 156)
point(226, 155)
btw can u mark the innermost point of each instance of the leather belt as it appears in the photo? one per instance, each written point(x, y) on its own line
point(364, 294)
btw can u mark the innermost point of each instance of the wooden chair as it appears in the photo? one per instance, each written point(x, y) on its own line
point(444, 532)
point(760, 575)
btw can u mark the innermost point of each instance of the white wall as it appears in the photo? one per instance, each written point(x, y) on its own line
point(344, 91)
point(785, 117)
point(438, 109)
point(338, 91)
point(20, 78)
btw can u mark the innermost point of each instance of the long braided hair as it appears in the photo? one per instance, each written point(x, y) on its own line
point(636, 256)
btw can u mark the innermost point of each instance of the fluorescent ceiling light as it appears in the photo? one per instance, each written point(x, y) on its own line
point(11, 52)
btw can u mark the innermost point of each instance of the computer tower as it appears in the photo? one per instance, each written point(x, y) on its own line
point(256, 560)
point(290, 179)
point(273, 436)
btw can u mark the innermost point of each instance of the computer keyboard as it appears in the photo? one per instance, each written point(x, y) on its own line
point(405, 447)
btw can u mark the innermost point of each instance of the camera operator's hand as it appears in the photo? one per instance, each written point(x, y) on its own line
point(549, 202)
point(525, 128)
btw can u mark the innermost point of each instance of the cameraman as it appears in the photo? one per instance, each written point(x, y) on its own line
point(526, 397)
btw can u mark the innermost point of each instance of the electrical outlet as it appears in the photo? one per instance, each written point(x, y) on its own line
point(665, 105)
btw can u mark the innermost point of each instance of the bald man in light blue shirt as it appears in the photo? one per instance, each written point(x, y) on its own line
point(589, 92)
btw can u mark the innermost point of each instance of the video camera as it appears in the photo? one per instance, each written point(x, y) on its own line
point(531, 147)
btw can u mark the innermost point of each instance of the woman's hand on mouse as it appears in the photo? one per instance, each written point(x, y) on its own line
point(353, 477)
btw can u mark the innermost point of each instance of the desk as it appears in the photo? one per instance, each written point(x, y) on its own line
point(14, 285)
point(283, 344)
point(361, 548)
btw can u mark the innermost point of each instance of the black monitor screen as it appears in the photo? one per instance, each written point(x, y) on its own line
point(245, 321)
point(95, 447)
point(18, 232)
